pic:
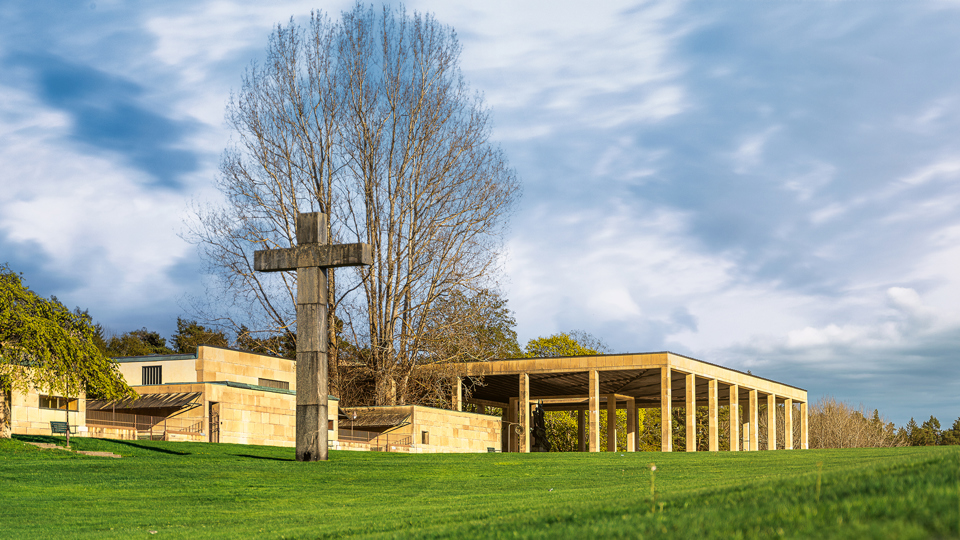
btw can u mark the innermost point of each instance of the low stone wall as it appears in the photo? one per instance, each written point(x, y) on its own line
point(454, 431)
point(438, 430)
point(27, 418)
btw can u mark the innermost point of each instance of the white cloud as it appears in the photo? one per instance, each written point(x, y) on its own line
point(94, 219)
point(604, 66)
point(750, 151)
point(945, 169)
point(810, 183)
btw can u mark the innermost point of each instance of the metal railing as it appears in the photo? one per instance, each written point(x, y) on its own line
point(144, 425)
point(379, 442)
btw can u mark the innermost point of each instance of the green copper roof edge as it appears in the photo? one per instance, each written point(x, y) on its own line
point(155, 357)
point(233, 384)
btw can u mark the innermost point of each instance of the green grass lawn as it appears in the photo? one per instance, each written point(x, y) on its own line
point(195, 490)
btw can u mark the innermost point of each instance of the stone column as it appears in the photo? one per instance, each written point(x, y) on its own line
point(666, 418)
point(525, 412)
point(312, 369)
point(631, 425)
point(771, 422)
point(456, 397)
point(611, 423)
point(691, 408)
point(581, 432)
point(505, 429)
point(512, 418)
point(804, 434)
point(734, 418)
point(714, 443)
point(754, 420)
point(788, 424)
point(594, 404)
point(639, 426)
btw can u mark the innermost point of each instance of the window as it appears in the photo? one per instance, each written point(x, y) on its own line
point(152, 375)
point(270, 383)
point(425, 437)
point(57, 403)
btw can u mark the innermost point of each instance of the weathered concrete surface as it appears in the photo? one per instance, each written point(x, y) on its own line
point(734, 399)
point(691, 410)
point(311, 258)
point(312, 255)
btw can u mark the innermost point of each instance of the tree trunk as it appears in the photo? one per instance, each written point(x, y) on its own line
point(5, 416)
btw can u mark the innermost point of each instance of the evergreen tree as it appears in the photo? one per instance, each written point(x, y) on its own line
point(952, 435)
point(191, 335)
point(140, 342)
point(912, 432)
point(929, 433)
point(282, 345)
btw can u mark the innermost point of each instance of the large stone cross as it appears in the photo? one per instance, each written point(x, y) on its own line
point(311, 258)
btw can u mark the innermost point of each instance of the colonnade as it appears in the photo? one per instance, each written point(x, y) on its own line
point(517, 414)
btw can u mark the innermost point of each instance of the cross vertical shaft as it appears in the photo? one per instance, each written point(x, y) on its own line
point(312, 370)
point(311, 258)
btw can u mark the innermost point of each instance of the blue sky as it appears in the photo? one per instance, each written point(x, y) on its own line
point(768, 186)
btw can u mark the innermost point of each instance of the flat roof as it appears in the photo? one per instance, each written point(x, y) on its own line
point(186, 356)
point(632, 375)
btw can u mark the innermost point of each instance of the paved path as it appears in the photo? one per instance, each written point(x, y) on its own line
point(48, 446)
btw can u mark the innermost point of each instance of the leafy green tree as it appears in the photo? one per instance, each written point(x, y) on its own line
point(574, 343)
point(929, 433)
point(562, 425)
point(46, 346)
point(952, 435)
point(141, 342)
point(911, 431)
point(191, 335)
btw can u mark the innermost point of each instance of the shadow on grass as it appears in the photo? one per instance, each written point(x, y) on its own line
point(150, 448)
point(263, 457)
point(48, 439)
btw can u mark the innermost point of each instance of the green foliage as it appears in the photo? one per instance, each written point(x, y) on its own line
point(282, 345)
point(45, 345)
point(575, 343)
point(191, 335)
point(238, 491)
point(562, 425)
point(141, 342)
point(928, 434)
point(952, 436)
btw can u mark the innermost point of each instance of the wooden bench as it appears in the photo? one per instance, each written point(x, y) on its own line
point(60, 428)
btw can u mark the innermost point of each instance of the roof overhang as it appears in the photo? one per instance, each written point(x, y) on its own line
point(176, 400)
point(566, 380)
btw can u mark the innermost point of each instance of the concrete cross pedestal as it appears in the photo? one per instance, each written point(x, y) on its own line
point(311, 258)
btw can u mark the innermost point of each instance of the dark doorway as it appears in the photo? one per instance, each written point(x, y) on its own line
point(214, 422)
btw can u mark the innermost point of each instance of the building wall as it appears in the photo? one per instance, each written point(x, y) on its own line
point(174, 371)
point(216, 364)
point(213, 364)
point(454, 431)
point(448, 431)
point(27, 418)
point(247, 416)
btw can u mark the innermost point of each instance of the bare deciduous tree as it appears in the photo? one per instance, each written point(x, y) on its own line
point(835, 424)
point(369, 120)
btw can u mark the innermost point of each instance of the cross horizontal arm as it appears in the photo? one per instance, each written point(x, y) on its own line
point(312, 255)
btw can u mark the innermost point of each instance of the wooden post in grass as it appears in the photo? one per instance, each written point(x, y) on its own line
point(310, 258)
